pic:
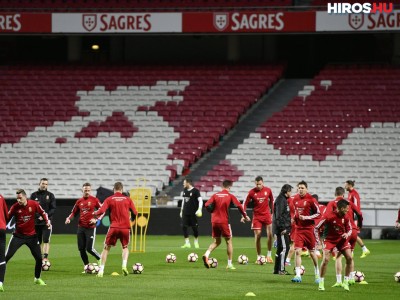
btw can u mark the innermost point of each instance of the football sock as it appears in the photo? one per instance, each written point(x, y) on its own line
point(346, 279)
point(269, 253)
point(288, 260)
point(316, 270)
point(352, 274)
point(124, 263)
point(207, 253)
point(101, 268)
point(229, 262)
point(364, 248)
point(339, 278)
point(298, 271)
point(187, 242)
point(45, 255)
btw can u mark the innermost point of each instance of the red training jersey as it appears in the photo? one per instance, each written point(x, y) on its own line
point(306, 206)
point(119, 207)
point(263, 201)
point(354, 197)
point(335, 226)
point(3, 213)
point(85, 207)
point(25, 217)
point(353, 209)
point(221, 201)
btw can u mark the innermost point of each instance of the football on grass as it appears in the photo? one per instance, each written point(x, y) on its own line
point(243, 259)
point(213, 262)
point(359, 276)
point(137, 268)
point(261, 260)
point(397, 277)
point(193, 257)
point(46, 265)
point(170, 258)
point(302, 270)
point(91, 269)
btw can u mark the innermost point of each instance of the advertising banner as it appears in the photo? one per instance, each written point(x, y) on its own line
point(248, 22)
point(117, 22)
point(358, 22)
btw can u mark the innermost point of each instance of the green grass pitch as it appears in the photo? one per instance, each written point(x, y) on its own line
point(184, 280)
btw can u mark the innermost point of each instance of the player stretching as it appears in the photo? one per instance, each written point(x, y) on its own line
point(218, 205)
point(336, 235)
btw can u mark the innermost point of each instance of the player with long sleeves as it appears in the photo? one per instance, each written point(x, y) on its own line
point(218, 205)
point(24, 212)
point(336, 234)
point(119, 207)
point(3, 226)
point(191, 208)
point(86, 234)
point(263, 207)
point(306, 210)
point(282, 228)
point(47, 201)
point(354, 197)
point(353, 210)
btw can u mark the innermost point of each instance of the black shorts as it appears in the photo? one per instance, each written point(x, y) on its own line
point(189, 220)
point(43, 233)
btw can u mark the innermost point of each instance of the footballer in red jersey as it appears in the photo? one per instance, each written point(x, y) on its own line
point(263, 206)
point(336, 234)
point(24, 212)
point(86, 234)
point(219, 205)
point(119, 207)
point(3, 226)
point(353, 210)
point(306, 210)
point(354, 197)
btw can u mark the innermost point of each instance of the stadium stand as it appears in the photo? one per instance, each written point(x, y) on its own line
point(141, 4)
point(101, 124)
point(348, 129)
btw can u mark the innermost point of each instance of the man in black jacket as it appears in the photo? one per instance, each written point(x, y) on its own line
point(281, 227)
point(48, 202)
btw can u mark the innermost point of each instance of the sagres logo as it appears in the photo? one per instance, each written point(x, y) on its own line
point(221, 21)
point(89, 21)
point(356, 8)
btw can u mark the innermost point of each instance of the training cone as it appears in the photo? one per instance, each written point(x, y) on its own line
point(114, 274)
point(250, 294)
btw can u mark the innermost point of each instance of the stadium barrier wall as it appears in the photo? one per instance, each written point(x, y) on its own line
point(166, 221)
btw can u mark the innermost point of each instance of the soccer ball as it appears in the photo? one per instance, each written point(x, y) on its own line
point(302, 270)
point(46, 265)
point(213, 262)
point(359, 276)
point(91, 269)
point(243, 259)
point(137, 268)
point(193, 257)
point(397, 277)
point(171, 258)
point(261, 260)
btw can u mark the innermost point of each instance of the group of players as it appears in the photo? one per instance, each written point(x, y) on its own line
point(33, 226)
point(298, 222)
